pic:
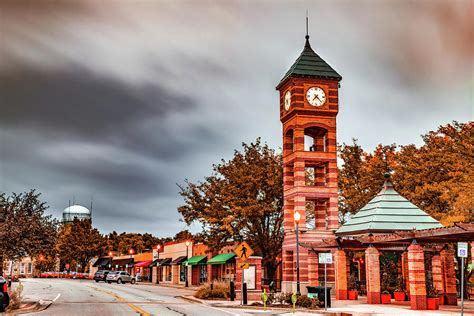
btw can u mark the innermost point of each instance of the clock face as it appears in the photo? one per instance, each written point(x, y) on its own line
point(287, 100)
point(316, 96)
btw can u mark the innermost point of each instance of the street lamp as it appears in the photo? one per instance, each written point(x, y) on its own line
point(297, 218)
point(158, 268)
point(110, 253)
point(130, 251)
point(186, 270)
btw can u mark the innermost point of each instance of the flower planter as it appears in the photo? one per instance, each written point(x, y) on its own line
point(386, 298)
point(432, 303)
point(399, 296)
point(441, 300)
point(352, 295)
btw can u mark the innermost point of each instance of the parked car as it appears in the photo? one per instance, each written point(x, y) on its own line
point(120, 277)
point(4, 297)
point(101, 275)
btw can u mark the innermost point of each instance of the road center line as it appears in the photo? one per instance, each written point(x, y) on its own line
point(132, 306)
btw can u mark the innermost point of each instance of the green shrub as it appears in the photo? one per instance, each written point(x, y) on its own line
point(219, 290)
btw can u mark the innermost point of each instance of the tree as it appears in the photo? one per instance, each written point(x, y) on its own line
point(78, 243)
point(438, 176)
point(25, 229)
point(183, 235)
point(241, 200)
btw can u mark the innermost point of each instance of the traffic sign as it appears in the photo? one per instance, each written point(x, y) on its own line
point(325, 258)
point(243, 251)
point(462, 249)
point(243, 265)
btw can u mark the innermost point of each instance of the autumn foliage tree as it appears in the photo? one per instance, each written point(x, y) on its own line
point(438, 176)
point(241, 200)
point(78, 242)
point(25, 229)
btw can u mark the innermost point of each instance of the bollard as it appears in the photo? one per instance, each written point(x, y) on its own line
point(232, 291)
point(244, 293)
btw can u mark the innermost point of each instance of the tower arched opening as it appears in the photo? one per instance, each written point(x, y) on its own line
point(315, 139)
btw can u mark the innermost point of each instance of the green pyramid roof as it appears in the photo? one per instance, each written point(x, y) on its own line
point(388, 212)
point(309, 64)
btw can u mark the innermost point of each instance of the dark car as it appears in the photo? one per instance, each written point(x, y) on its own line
point(101, 275)
point(4, 297)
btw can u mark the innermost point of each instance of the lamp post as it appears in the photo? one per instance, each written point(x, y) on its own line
point(297, 218)
point(130, 251)
point(186, 269)
point(158, 268)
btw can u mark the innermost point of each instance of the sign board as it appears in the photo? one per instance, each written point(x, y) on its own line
point(243, 265)
point(243, 251)
point(249, 277)
point(325, 258)
point(462, 249)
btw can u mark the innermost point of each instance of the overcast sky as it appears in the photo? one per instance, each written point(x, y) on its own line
point(122, 100)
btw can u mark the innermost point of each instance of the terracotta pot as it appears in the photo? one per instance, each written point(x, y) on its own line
point(386, 298)
point(352, 295)
point(399, 296)
point(432, 303)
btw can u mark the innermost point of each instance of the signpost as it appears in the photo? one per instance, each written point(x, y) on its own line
point(462, 253)
point(243, 265)
point(243, 251)
point(325, 258)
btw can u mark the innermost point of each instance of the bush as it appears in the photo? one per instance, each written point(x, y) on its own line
point(219, 290)
point(16, 297)
point(283, 298)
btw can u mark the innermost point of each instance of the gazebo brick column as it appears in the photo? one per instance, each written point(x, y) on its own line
point(437, 272)
point(447, 261)
point(405, 271)
point(372, 268)
point(341, 274)
point(416, 275)
point(313, 267)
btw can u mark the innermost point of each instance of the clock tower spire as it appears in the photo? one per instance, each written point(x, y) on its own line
point(309, 104)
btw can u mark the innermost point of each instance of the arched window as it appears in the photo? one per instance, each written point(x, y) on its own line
point(315, 139)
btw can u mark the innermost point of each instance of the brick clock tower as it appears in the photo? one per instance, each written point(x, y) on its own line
point(308, 108)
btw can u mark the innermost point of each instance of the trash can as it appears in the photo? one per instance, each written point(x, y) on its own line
point(318, 292)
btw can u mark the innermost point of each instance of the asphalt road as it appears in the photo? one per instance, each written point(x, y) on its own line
point(84, 297)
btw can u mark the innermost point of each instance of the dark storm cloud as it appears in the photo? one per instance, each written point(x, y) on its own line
point(122, 101)
point(81, 103)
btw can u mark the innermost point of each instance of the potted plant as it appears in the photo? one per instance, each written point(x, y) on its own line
point(352, 293)
point(386, 297)
point(432, 298)
point(399, 293)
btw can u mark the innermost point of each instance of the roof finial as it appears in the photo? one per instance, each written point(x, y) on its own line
point(307, 32)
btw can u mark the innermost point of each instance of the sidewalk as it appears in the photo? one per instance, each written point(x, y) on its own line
point(355, 308)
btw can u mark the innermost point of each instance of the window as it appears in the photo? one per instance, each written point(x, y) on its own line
point(30, 268)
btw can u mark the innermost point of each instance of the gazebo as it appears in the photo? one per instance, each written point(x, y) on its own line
point(390, 224)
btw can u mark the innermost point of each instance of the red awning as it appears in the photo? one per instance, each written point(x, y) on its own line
point(144, 264)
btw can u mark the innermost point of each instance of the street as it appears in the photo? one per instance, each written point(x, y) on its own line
point(84, 297)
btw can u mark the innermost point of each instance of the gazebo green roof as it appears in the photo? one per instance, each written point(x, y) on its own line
point(309, 64)
point(388, 212)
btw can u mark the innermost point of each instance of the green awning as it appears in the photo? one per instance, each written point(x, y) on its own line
point(196, 260)
point(222, 258)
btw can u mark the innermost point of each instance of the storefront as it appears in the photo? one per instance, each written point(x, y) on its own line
point(143, 271)
point(221, 267)
point(178, 270)
point(198, 269)
point(125, 264)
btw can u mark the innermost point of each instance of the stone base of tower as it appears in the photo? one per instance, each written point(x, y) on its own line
point(311, 271)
